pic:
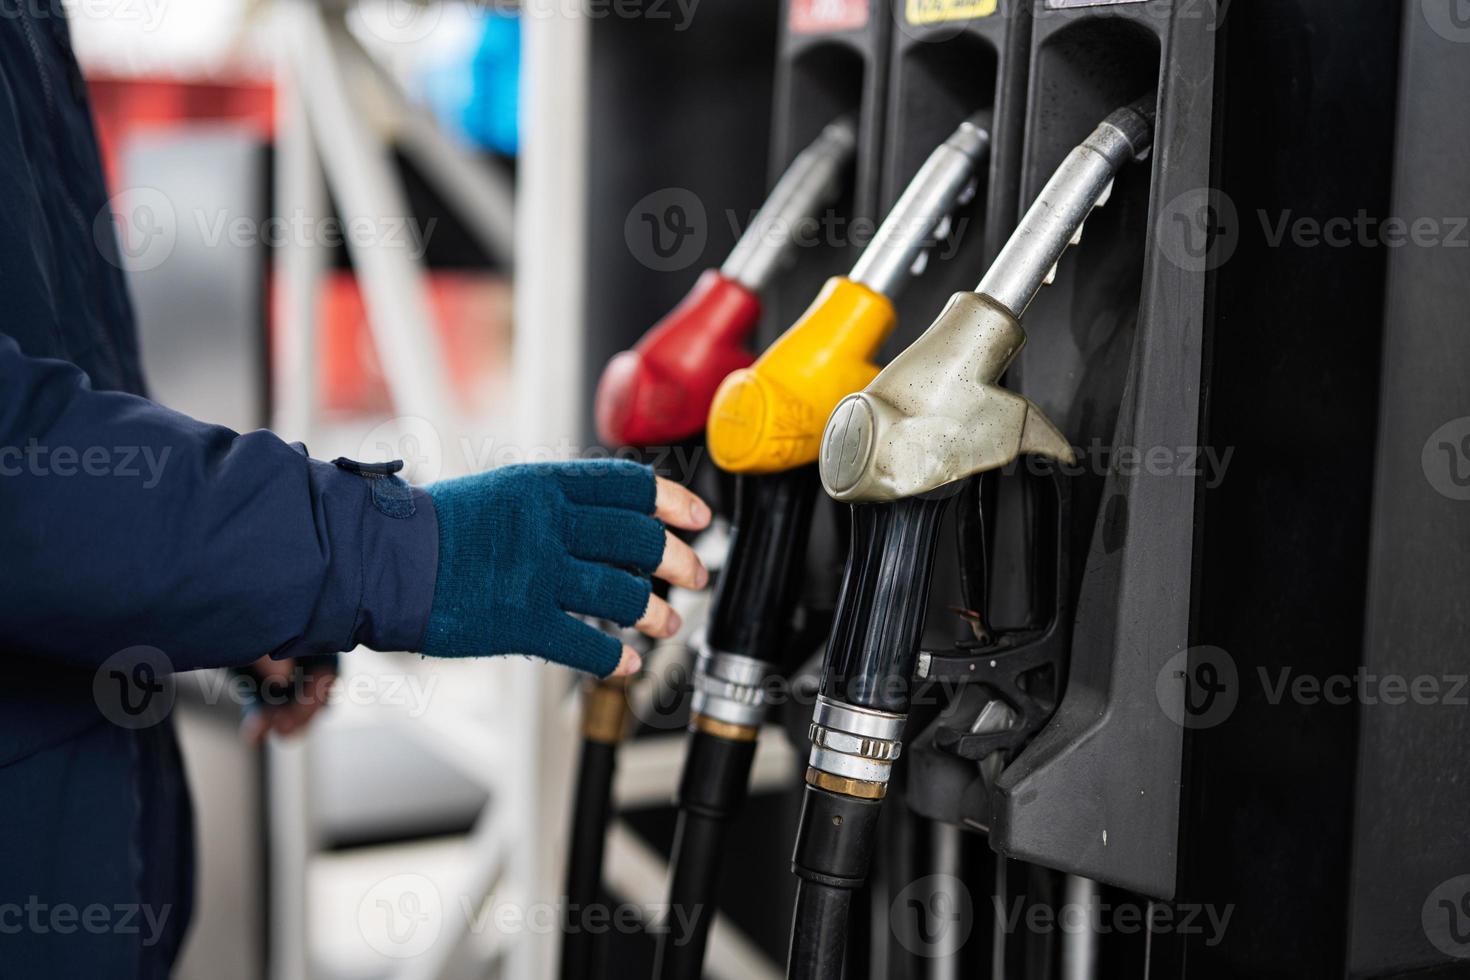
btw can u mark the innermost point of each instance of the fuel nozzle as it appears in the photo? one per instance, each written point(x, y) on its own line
point(897, 449)
point(765, 423)
point(768, 418)
point(937, 413)
point(659, 391)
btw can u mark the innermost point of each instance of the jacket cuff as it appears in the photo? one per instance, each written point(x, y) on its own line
point(400, 563)
point(381, 541)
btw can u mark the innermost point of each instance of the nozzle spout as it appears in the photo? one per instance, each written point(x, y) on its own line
point(814, 179)
point(935, 191)
point(1083, 182)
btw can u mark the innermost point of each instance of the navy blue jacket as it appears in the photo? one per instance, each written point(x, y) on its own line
point(124, 524)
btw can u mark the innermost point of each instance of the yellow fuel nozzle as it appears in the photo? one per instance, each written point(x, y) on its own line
point(769, 417)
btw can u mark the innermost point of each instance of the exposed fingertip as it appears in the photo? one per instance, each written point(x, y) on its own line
point(699, 514)
point(629, 664)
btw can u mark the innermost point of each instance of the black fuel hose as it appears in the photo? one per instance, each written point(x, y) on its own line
point(592, 807)
point(870, 661)
point(749, 618)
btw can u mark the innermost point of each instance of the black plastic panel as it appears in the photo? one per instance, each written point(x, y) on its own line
point(1114, 354)
point(820, 75)
point(940, 73)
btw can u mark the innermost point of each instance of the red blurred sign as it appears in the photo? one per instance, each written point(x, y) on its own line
point(827, 16)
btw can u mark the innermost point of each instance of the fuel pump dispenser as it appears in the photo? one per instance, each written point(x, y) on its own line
point(658, 394)
point(900, 451)
point(765, 427)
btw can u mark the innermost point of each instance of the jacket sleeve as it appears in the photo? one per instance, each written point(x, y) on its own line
point(124, 524)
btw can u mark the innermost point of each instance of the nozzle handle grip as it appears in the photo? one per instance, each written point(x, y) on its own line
point(760, 581)
point(659, 392)
point(875, 635)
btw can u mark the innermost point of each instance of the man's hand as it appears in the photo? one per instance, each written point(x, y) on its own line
point(290, 696)
point(680, 508)
point(527, 552)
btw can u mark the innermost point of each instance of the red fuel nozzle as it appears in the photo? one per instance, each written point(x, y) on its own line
point(659, 392)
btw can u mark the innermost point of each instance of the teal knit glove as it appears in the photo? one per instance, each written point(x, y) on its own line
point(521, 547)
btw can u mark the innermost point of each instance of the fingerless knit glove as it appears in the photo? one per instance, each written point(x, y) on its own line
point(522, 546)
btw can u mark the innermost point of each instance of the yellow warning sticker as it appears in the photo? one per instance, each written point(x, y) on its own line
point(920, 12)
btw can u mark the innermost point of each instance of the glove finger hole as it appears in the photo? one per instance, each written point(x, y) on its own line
point(605, 592)
point(617, 537)
point(584, 647)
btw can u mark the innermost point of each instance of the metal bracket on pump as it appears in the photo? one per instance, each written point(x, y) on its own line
point(1002, 689)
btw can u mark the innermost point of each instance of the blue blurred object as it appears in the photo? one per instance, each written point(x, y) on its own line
point(477, 94)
